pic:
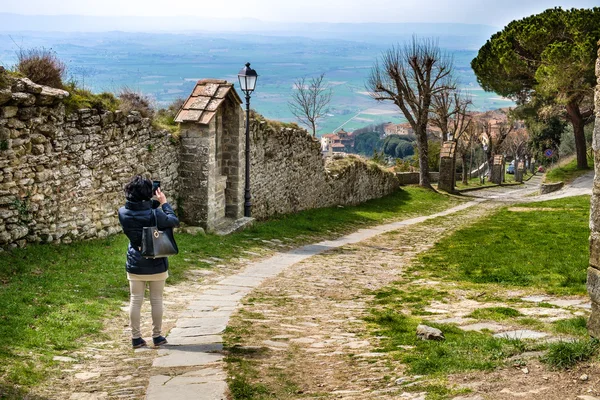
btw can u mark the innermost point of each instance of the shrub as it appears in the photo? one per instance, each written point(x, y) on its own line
point(42, 66)
point(134, 101)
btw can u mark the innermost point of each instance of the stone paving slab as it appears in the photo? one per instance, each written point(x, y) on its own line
point(204, 330)
point(166, 388)
point(186, 357)
point(206, 320)
point(194, 340)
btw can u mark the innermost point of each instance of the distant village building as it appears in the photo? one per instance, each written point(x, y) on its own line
point(339, 142)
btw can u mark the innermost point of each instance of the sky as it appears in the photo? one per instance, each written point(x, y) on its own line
point(488, 12)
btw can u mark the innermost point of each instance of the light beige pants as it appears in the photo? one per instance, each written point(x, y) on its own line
point(137, 289)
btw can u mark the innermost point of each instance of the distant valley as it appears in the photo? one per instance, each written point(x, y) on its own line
point(166, 65)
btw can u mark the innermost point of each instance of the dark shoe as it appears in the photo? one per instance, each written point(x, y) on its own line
point(137, 343)
point(159, 341)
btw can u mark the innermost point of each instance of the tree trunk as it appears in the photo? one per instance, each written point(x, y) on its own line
point(465, 178)
point(574, 115)
point(471, 164)
point(423, 158)
point(314, 129)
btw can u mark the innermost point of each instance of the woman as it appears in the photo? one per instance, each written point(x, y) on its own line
point(136, 215)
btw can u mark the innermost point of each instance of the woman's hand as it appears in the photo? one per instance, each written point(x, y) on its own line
point(160, 196)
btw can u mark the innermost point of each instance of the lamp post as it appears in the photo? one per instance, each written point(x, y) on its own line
point(247, 77)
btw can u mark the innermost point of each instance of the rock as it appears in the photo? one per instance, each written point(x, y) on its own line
point(9, 111)
point(5, 96)
point(525, 370)
point(24, 99)
point(425, 332)
point(584, 377)
point(49, 96)
point(64, 359)
point(31, 87)
point(84, 376)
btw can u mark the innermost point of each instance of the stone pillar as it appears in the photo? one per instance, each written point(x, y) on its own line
point(233, 164)
point(194, 170)
point(519, 169)
point(593, 280)
point(497, 168)
point(447, 167)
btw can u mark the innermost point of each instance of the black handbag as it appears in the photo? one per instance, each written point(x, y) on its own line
point(157, 244)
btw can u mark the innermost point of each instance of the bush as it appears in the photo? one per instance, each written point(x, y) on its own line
point(134, 101)
point(42, 66)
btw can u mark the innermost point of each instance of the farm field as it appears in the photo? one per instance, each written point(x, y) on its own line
point(166, 66)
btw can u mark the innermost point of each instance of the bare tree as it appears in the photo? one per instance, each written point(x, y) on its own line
point(409, 77)
point(310, 100)
point(449, 110)
point(464, 146)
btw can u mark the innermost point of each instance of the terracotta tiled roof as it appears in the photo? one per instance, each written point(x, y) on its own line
point(204, 101)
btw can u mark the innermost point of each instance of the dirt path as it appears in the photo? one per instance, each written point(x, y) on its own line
point(309, 319)
point(303, 332)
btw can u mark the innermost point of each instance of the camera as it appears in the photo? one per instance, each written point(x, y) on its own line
point(155, 185)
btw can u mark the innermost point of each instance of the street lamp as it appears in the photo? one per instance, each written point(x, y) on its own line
point(247, 77)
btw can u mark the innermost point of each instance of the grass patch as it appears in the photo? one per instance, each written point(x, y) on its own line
point(519, 249)
point(573, 326)
point(81, 98)
point(54, 298)
point(562, 355)
point(436, 391)
point(461, 351)
point(567, 172)
point(495, 313)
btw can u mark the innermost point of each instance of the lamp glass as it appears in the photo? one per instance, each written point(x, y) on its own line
point(247, 77)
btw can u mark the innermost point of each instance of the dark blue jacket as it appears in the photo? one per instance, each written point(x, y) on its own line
point(133, 217)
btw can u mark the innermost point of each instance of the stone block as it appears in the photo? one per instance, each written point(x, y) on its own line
point(595, 250)
point(593, 323)
point(593, 284)
point(9, 111)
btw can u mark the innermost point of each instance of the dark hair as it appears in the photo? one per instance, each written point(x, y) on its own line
point(138, 189)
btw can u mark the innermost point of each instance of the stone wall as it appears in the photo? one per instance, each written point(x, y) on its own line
point(593, 280)
point(289, 174)
point(62, 174)
point(412, 178)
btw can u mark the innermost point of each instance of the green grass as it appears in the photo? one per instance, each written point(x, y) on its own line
point(461, 351)
point(562, 355)
point(55, 298)
point(81, 98)
point(573, 326)
point(495, 313)
point(473, 183)
point(567, 172)
point(519, 248)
